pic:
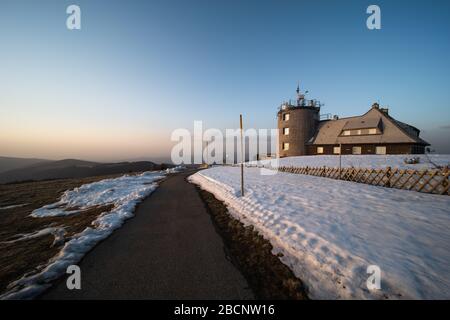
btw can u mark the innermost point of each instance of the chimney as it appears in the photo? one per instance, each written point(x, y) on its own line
point(385, 110)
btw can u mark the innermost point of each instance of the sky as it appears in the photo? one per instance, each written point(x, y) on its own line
point(137, 70)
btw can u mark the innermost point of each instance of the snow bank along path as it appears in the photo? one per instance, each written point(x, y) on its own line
point(124, 193)
point(366, 161)
point(330, 231)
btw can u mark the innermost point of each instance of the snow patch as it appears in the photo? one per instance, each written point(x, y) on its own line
point(124, 193)
point(13, 206)
point(57, 232)
point(330, 231)
point(426, 161)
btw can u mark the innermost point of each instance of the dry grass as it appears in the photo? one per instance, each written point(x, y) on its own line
point(268, 277)
point(24, 257)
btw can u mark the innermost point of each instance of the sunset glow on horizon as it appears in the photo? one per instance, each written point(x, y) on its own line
point(117, 88)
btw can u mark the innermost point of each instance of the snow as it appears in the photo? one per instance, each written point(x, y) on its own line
point(124, 193)
point(13, 206)
point(121, 191)
point(366, 161)
point(57, 232)
point(330, 231)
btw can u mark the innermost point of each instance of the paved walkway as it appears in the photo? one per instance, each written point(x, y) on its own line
point(169, 250)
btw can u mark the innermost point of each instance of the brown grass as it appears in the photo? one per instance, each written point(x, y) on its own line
point(23, 257)
point(268, 277)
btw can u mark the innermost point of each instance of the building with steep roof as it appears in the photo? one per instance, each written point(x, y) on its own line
point(303, 132)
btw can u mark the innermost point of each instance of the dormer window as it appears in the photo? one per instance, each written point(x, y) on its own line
point(286, 117)
point(361, 127)
point(360, 132)
point(286, 131)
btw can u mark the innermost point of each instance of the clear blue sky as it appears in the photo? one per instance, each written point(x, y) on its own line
point(139, 69)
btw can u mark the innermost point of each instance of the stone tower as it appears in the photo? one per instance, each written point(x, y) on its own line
point(297, 124)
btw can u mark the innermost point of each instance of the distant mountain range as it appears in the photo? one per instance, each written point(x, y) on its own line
point(22, 169)
point(8, 163)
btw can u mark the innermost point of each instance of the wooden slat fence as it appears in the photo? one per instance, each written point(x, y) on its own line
point(434, 181)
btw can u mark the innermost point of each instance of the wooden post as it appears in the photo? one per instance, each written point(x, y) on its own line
point(388, 175)
point(340, 160)
point(242, 156)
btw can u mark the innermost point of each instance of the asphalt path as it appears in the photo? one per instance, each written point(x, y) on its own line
point(169, 250)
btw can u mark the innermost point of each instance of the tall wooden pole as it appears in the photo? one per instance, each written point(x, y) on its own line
point(340, 159)
point(242, 157)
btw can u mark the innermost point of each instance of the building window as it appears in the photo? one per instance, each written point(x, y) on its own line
point(359, 132)
point(356, 150)
point(286, 116)
point(285, 146)
point(336, 150)
point(319, 150)
point(286, 131)
point(380, 150)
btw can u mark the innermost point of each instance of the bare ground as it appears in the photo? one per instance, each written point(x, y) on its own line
point(268, 277)
point(18, 258)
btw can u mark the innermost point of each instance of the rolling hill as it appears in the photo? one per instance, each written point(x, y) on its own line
point(73, 168)
point(10, 163)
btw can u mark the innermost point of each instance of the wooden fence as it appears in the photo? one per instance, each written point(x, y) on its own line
point(434, 181)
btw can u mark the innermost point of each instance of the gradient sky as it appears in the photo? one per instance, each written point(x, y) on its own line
point(137, 70)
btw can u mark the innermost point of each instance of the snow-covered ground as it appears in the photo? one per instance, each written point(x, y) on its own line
point(124, 193)
point(330, 231)
point(14, 206)
point(57, 232)
point(428, 161)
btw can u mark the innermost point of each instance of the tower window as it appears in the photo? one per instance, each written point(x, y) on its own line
point(285, 146)
point(286, 131)
point(286, 116)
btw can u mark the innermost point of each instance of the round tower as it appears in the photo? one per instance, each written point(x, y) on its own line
point(297, 124)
